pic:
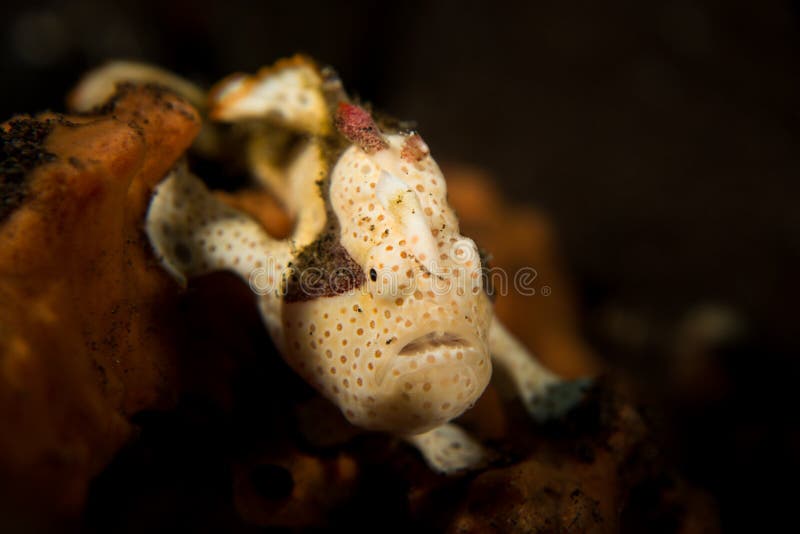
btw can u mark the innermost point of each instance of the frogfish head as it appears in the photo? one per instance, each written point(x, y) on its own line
point(397, 337)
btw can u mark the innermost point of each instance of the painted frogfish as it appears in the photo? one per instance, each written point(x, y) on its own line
point(376, 299)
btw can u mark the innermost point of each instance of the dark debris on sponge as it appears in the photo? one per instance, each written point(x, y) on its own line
point(21, 150)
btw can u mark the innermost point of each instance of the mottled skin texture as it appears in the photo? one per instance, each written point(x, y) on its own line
point(407, 351)
point(376, 299)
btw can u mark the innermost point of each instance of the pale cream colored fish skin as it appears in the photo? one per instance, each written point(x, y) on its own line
point(97, 86)
point(289, 93)
point(449, 449)
point(545, 395)
point(194, 233)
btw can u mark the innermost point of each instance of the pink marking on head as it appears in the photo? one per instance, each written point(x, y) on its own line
point(356, 124)
point(414, 149)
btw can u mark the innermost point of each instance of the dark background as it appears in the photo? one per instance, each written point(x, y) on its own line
point(660, 137)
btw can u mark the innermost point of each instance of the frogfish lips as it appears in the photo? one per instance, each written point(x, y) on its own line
point(437, 375)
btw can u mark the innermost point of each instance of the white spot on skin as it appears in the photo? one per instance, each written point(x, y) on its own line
point(401, 202)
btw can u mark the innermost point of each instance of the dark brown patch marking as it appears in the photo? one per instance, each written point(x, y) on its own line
point(21, 150)
point(323, 269)
point(414, 149)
